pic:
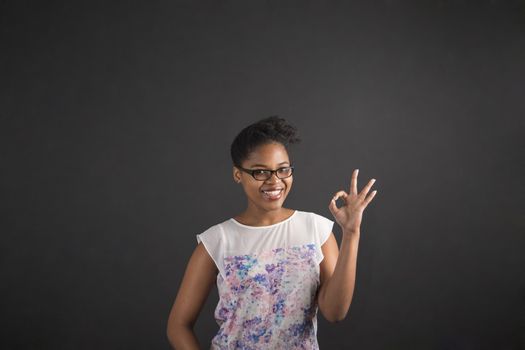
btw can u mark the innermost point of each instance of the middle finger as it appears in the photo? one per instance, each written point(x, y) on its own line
point(367, 187)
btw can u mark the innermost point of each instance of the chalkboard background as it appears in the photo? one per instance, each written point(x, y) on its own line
point(116, 122)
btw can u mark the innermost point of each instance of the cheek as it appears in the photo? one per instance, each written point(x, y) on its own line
point(253, 189)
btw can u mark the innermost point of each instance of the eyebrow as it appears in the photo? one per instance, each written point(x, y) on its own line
point(262, 165)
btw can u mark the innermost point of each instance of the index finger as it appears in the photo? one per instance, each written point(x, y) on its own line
point(353, 182)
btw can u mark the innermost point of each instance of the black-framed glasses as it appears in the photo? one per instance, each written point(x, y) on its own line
point(265, 174)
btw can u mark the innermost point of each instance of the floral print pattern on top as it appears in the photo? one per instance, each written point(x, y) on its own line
point(268, 300)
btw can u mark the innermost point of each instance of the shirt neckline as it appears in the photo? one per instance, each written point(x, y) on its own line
point(267, 226)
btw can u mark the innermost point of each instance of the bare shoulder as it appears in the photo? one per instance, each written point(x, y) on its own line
point(201, 266)
point(200, 253)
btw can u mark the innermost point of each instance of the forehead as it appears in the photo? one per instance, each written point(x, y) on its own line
point(268, 154)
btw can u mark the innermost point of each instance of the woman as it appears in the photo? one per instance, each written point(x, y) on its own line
point(274, 267)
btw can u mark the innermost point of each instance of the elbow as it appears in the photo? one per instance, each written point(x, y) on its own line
point(335, 318)
point(170, 334)
point(173, 333)
point(335, 315)
point(333, 312)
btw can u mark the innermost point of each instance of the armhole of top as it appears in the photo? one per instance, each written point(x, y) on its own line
point(324, 228)
point(208, 248)
point(324, 239)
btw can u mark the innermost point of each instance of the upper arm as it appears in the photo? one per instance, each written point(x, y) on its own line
point(330, 251)
point(199, 277)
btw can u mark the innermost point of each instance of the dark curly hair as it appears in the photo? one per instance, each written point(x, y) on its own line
point(267, 130)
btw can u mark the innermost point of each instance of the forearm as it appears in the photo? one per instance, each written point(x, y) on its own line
point(337, 295)
point(183, 338)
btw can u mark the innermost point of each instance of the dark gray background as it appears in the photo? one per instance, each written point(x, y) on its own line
point(115, 132)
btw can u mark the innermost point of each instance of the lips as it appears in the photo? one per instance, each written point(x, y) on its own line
point(272, 193)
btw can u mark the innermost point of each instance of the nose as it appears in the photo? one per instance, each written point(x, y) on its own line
point(273, 178)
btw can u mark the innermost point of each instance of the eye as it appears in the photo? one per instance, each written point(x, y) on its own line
point(260, 172)
point(285, 170)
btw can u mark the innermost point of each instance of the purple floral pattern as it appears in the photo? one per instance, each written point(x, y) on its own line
point(268, 300)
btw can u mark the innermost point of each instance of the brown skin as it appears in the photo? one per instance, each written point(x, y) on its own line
point(259, 211)
point(199, 278)
point(337, 272)
point(336, 292)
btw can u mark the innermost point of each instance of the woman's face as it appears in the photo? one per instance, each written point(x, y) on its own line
point(270, 194)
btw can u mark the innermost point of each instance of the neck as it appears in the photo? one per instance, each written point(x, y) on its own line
point(254, 216)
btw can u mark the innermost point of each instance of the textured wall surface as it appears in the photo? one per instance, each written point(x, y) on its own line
point(116, 122)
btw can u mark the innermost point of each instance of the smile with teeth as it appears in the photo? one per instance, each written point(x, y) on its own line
point(276, 194)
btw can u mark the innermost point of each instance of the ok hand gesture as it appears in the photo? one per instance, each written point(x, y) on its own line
point(349, 215)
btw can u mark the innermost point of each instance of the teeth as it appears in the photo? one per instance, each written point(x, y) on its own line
point(273, 193)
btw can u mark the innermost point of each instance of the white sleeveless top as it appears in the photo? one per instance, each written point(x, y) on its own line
point(267, 281)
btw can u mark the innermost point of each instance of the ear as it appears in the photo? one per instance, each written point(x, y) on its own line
point(236, 175)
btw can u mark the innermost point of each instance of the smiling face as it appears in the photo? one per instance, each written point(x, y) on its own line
point(266, 195)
